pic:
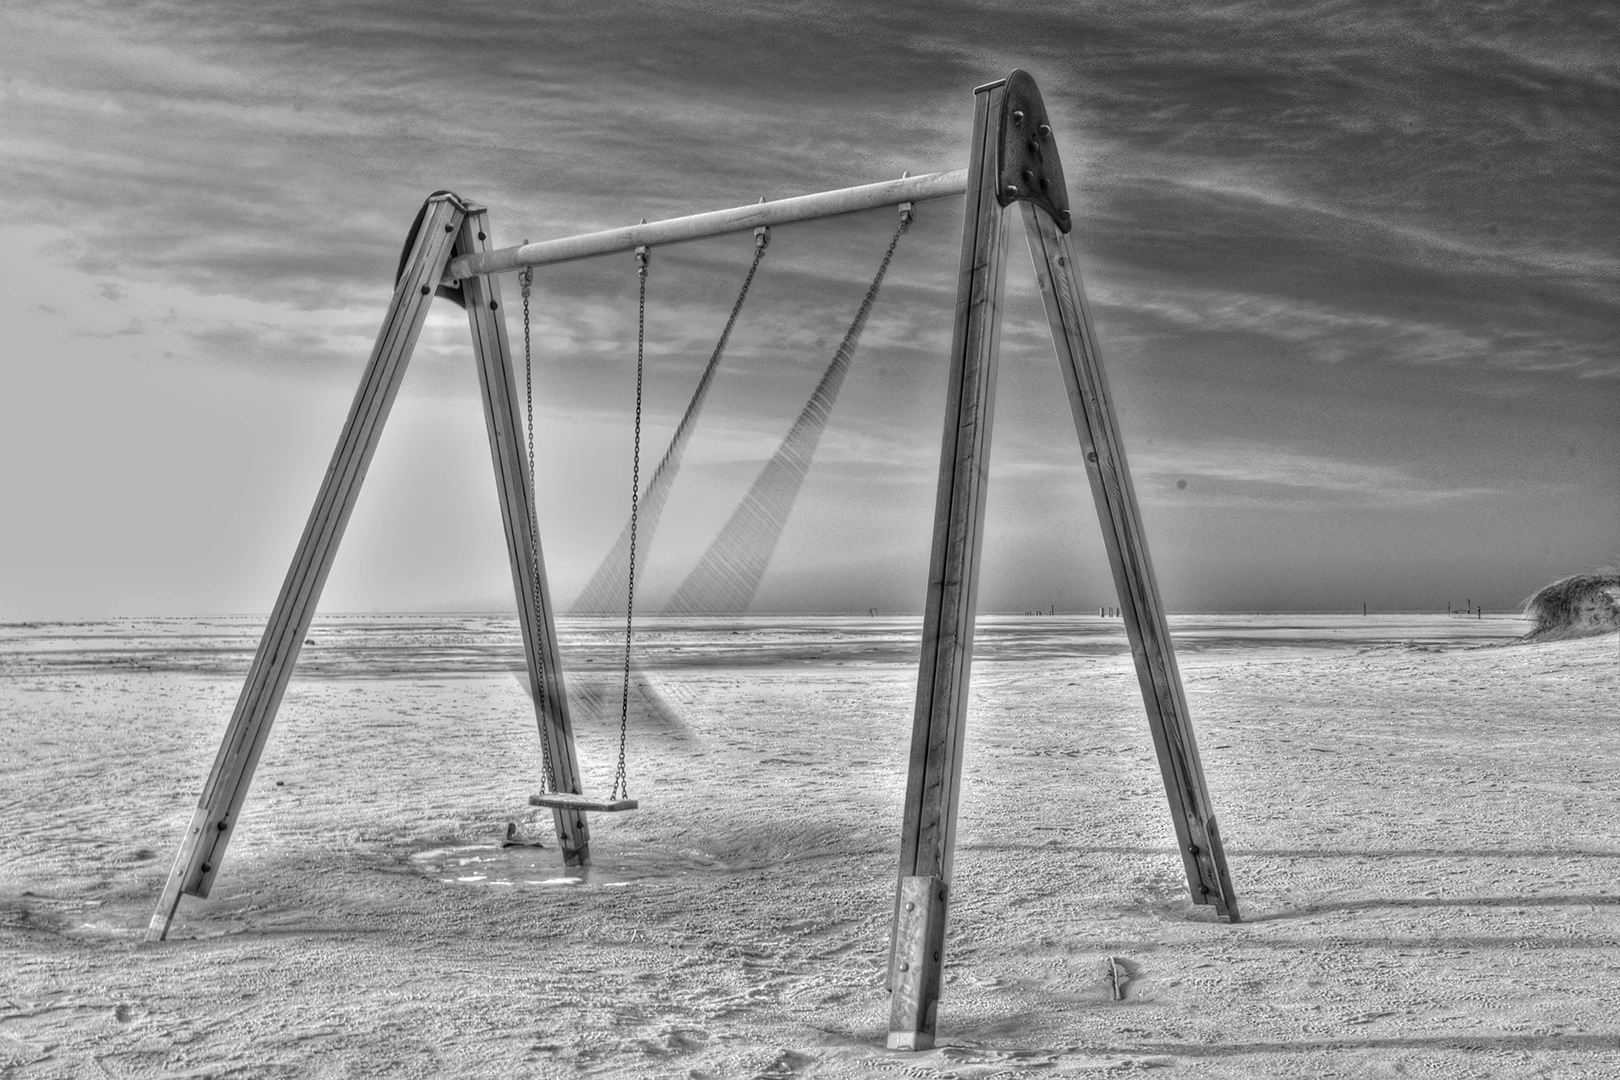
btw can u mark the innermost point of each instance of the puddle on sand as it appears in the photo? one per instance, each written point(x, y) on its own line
point(519, 865)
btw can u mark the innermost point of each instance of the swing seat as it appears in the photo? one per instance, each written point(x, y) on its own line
point(562, 800)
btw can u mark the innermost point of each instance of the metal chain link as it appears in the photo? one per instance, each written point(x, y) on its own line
point(762, 238)
point(548, 771)
point(621, 783)
point(894, 242)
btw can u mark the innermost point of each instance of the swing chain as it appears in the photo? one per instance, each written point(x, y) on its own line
point(548, 770)
point(621, 783)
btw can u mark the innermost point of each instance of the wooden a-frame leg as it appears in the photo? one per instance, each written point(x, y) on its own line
point(934, 774)
point(215, 819)
point(512, 480)
point(1197, 834)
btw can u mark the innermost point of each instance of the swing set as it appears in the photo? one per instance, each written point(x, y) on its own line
point(1012, 159)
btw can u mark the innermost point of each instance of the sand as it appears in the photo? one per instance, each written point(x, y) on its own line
point(1420, 822)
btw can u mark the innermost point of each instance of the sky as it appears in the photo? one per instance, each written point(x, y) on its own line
point(1354, 268)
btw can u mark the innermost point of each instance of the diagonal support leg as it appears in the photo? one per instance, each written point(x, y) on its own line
point(928, 834)
point(535, 614)
point(215, 819)
point(1197, 834)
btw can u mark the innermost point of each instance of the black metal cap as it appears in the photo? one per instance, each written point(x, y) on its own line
point(1030, 170)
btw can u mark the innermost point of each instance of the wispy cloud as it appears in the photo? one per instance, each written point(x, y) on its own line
point(1333, 334)
point(1312, 230)
point(1232, 471)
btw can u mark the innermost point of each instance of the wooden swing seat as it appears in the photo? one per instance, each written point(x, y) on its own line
point(563, 800)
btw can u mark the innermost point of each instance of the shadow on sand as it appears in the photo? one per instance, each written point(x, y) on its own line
point(1587, 900)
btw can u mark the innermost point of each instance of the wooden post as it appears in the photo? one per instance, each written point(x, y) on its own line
point(932, 783)
point(1197, 835)
point(495, 378)
point(203, 846)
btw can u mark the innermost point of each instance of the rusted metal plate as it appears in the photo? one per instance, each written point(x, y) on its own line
point(1030, 170)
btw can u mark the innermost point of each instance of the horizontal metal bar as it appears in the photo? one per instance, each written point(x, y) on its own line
point(715, 223)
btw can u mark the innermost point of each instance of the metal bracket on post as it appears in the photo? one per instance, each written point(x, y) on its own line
point(762, 233)
point(449, 289)
point(915, 966)
point(1028, 165)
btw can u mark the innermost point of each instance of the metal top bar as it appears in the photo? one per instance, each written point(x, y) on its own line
point(715, 223)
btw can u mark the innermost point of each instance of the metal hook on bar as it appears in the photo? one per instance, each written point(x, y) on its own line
point(762, 234)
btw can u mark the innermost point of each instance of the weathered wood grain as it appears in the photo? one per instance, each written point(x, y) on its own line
point(919, 945)
point(1197, 834)
point(504, 419)
point(935, 766)
point(566, 801)
point(215, 820)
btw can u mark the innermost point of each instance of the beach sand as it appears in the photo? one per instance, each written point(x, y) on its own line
point(1420, 821)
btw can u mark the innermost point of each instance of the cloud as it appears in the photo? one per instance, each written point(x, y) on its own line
point(1323, 333)
point(1253, 472)
point(1339, 252)
point(168, 323)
